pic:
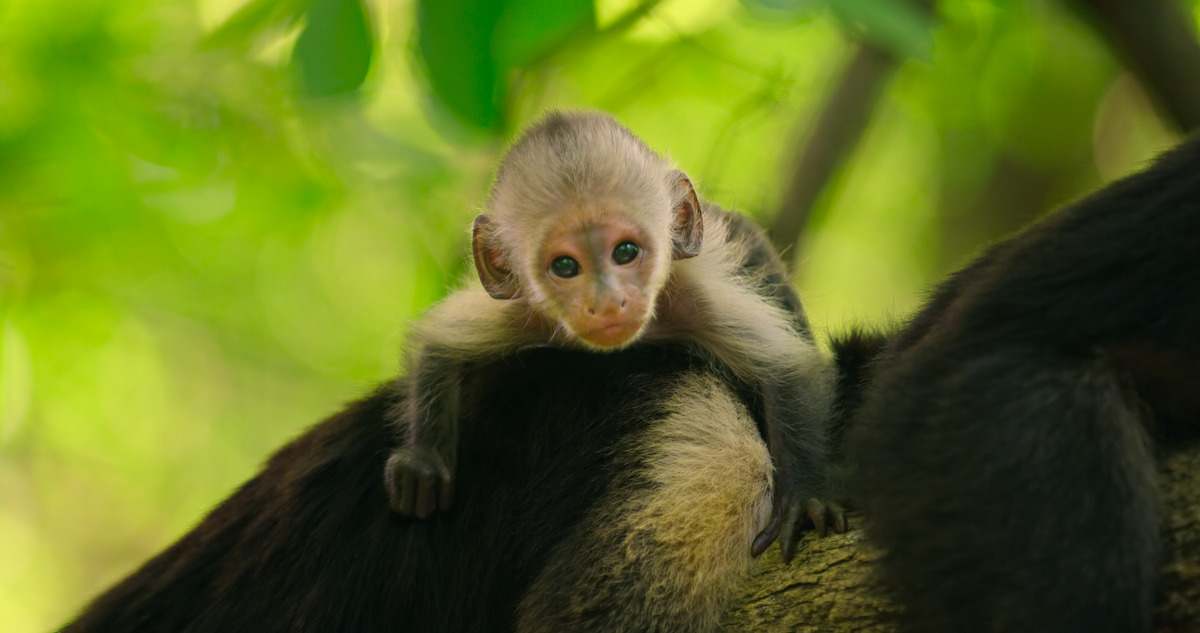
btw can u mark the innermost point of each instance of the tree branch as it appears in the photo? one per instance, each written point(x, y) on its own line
point(839, 127)
point(1157, 40)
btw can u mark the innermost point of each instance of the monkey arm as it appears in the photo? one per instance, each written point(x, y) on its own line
point(464, 328)
point(758, 339)
point(762, 267)
point(419, 475)
point(797, 408)
point(754, 322)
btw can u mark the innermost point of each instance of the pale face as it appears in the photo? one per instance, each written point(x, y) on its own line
point(599, 275)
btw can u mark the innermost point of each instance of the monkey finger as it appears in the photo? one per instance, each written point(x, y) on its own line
point(400, 486)
point(446, 493)
point(816, 512)
point(408, 492)
point(426, 493)
point(826, 516)
point(791, 532)
point(838, 514)
point(765, 538)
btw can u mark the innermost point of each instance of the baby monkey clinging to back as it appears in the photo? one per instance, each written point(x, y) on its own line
point(592, 240)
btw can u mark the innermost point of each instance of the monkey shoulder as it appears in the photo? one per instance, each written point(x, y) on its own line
point(470, 320)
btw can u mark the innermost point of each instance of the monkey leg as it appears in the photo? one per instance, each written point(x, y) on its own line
point(419, 476)
point(669, 541)
point(1011, 491)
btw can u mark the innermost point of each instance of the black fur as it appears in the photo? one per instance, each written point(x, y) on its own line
point(1002, 455)
point(854, 356)
point(310, 543)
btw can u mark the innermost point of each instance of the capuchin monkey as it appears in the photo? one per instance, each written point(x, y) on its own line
point(637, 515)
point(592, 241)
point(1004, 450)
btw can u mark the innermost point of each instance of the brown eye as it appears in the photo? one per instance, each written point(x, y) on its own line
point(625, 252)
point(565, 267)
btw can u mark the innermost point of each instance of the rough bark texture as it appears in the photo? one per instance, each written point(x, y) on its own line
point(829, 587)
point(1179, 602)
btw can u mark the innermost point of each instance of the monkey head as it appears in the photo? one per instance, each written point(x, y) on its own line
point(596, 270)
point(584, 221)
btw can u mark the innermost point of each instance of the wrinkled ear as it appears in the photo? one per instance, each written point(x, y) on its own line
point(490, 262)
point(687, 229)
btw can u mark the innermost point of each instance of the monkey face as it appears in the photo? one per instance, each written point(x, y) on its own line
point(600, 275)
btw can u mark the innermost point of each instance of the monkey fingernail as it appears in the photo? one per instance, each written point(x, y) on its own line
point(787, 542)
point(839, 519)
point(408, 493)
point(787, 552)
point(765, 538)
point(761, 543)
point(426, 497)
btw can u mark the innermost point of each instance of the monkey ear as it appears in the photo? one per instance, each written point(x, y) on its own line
point(687, 229)
point(490, 262)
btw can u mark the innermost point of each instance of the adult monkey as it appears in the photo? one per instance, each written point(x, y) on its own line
point(637, 516)
point(1003, 452)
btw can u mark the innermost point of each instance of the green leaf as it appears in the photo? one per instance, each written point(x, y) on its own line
point(468, 48)
point(333, 52)
point(784, 8)
point(454, 40)
point(252, 21)
point(896, 25)
point(528, 30)
point(900, 26)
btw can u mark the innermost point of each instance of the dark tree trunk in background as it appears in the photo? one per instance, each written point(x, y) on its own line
point(1156, 39)
point(836, 133)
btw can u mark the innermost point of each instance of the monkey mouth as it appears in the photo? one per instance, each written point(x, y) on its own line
point(612, 336)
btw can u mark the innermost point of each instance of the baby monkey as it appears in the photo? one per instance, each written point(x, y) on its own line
point(592, 240)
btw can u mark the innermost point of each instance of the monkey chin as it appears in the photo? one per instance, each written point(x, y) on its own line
point(611, 338)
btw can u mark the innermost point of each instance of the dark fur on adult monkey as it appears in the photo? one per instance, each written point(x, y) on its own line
point(637, 516)
point(1003, 452)
point(622, 491)
point(593, 241)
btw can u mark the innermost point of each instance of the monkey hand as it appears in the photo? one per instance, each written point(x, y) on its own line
point(794, 513)
point(418, 482)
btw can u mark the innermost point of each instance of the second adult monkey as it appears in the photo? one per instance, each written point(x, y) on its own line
point(592, 240)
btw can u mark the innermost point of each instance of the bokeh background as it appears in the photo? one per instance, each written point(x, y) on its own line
point(217, 216)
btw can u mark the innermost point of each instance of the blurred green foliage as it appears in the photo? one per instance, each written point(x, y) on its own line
point(216, 216)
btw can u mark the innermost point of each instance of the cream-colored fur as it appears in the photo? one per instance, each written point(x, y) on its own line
point(669, 542)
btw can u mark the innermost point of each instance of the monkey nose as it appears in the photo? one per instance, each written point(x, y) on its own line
point(607, 307)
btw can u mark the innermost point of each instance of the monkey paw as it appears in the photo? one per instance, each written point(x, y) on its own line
point(418, 482)
point(791, 517)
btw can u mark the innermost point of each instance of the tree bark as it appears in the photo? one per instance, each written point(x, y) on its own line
point(830, 588)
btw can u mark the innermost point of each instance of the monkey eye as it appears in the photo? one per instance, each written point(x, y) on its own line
point(564, 266)
point(625, 252)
